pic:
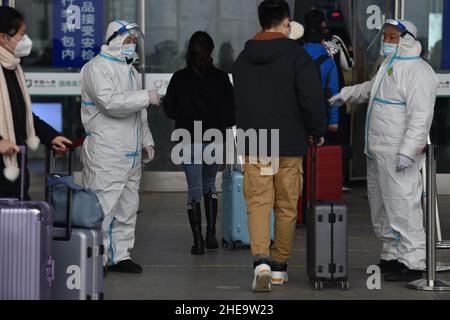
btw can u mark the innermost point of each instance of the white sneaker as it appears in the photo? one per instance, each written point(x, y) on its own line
point(262, 278)
point(279, 277)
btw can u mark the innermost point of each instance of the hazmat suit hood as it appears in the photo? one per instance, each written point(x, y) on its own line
point(408, 46)
point(114, 48)
point(265, 52)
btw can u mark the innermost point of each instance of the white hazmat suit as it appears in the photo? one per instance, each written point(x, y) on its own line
point(401, 107)
point(114, 116)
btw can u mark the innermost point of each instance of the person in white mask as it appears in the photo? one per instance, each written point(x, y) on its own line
point(114, 116)
point(18, 125)
point(401, 107)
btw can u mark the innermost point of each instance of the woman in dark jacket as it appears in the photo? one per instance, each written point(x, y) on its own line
point(18, 125)
point(200, 92)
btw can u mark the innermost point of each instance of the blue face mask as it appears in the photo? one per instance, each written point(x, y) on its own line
point(128, 50)
point(389, 48)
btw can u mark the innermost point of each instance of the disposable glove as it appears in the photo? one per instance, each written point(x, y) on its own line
point(404, 163)
point(155, 98)
point(336, 100)
point(148, 155)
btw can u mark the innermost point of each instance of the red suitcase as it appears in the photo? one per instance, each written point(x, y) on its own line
point(329, 178)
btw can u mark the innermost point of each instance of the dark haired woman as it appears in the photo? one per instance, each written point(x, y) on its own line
point(18, 124)
point(200, 92)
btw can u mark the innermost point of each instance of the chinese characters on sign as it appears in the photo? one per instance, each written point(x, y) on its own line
point(78, 32)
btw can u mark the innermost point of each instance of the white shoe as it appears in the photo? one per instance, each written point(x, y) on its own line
point(262, 278)
point(279, 277)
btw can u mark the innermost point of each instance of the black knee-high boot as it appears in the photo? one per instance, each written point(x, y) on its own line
point(195, 219)
point(211, 204)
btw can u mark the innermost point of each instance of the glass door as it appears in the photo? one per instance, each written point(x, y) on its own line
point(367, 18)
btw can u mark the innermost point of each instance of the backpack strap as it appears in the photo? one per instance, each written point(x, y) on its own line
point(319, 61)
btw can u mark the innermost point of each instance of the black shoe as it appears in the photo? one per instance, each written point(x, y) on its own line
point(211, 204)
point(105, 272)
point(389, 266)
point(125, 266)
point(195, 219)
point(404, 274)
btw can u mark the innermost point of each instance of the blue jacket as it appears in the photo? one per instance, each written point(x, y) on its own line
point(329, 72)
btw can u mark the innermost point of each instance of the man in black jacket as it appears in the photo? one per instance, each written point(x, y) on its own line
point(276, 87)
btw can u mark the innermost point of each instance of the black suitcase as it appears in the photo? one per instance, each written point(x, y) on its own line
point(327, 243)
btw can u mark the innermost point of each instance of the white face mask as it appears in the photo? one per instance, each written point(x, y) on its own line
point(128, 50)
point(23, 47)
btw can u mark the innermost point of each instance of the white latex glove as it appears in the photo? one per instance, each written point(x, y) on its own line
point(404, 162)
point(155, 98)
point(336, 100)
point(148, 155)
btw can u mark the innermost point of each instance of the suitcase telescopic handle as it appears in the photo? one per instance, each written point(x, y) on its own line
point(312, 174)
point(23, 157)
point(49, 169)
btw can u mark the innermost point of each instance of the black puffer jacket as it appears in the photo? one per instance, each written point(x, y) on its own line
point(276, 86)
point(207, 97)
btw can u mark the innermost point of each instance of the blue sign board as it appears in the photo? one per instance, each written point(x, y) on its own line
point(77, 32)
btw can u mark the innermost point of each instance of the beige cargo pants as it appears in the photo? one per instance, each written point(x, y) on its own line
point(279, 191)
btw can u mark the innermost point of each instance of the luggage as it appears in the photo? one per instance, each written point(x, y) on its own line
point(78, 255)
point(234, 211)
point(327, 247)
point(26, 263)
point(87, 212)
point(78, 265)
point(329, 178)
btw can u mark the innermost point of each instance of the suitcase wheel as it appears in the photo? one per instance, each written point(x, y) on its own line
point(318, 285)
point(235, 245)
point(345, 285)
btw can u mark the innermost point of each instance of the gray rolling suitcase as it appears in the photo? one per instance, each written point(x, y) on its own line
point(327, 248)
point(26, 263)
point(78, 256)
point(78, 265)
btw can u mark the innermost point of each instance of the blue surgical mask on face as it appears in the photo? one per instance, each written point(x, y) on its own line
point(389, 48)
point(128, 50)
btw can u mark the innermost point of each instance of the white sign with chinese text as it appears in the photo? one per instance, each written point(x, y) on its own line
point(48, 84)
point(53, 84)
point(444, 85)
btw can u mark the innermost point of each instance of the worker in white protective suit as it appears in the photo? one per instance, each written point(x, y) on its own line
point(118, 138)
point(401, 107)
